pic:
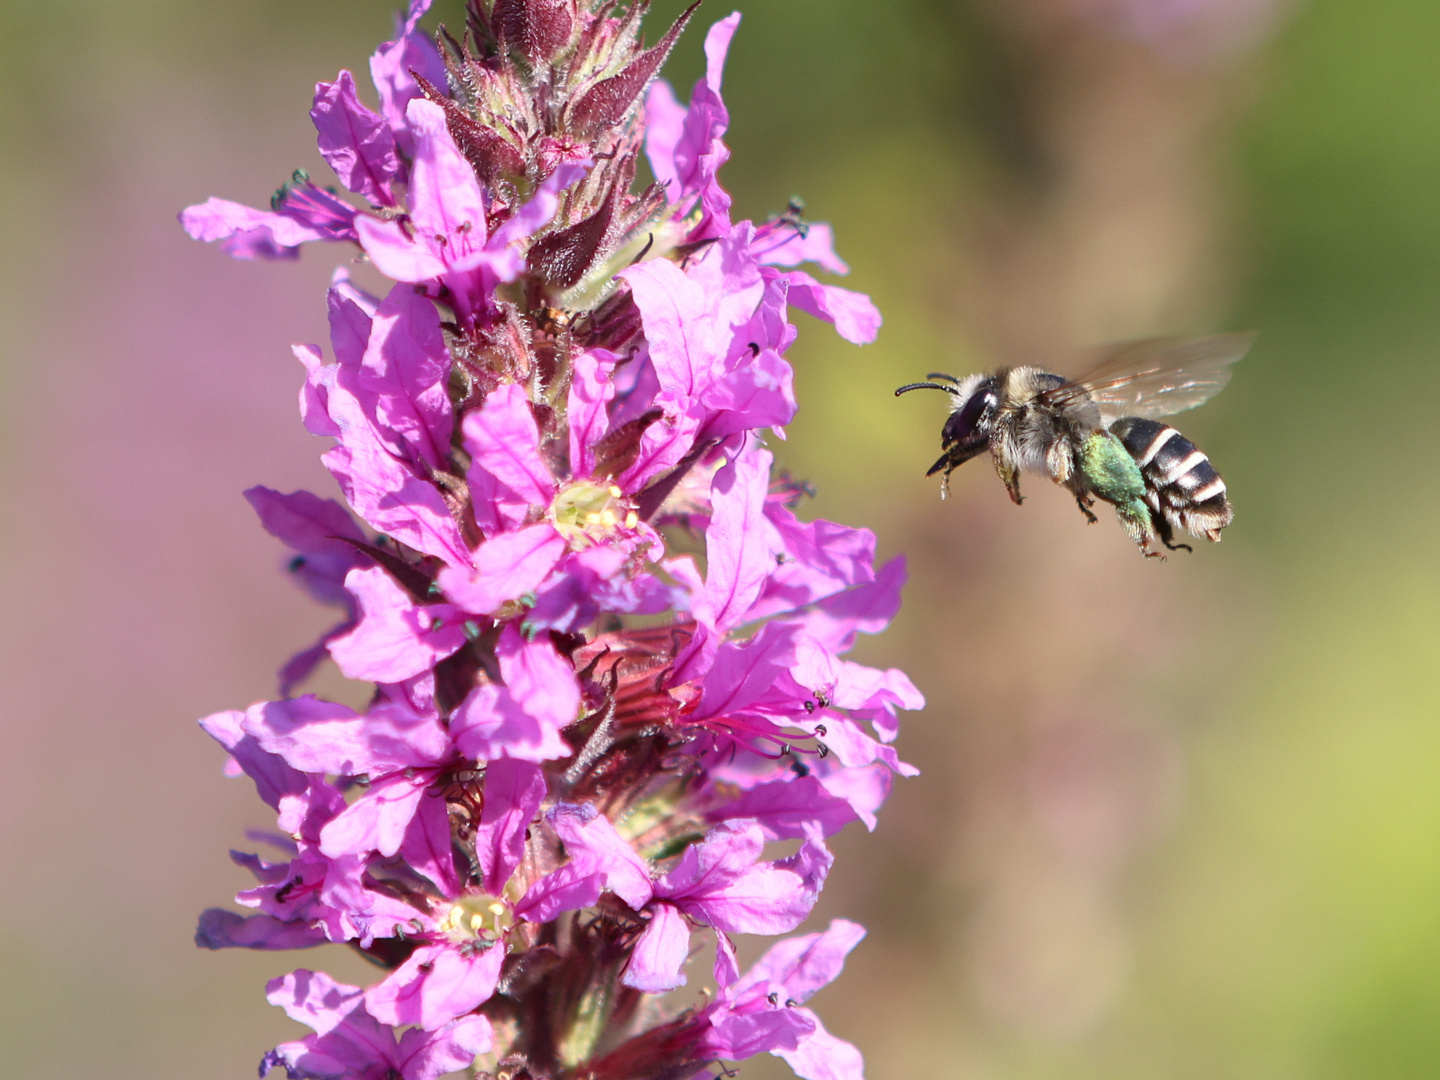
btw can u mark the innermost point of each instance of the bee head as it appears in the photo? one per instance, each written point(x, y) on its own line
point(967, 431)
point(974, 402)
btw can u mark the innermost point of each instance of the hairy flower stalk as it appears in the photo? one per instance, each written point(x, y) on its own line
point(580, 740)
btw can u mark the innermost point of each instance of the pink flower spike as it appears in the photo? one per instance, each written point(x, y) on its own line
point(577, 745)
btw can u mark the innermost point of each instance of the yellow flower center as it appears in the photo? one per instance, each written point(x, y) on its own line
point(477, 916)
point(586, 512)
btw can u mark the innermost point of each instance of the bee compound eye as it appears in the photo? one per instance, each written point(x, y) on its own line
point(961, 427)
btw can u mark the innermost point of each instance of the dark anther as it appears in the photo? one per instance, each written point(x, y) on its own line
point(809, 706)
point(820, 730)
point(649, 243)
point(823, 749)
point(774, 1000)
point(754, 348)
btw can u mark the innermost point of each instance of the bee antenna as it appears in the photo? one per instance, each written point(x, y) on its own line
point(942, 376)
point(922, 386)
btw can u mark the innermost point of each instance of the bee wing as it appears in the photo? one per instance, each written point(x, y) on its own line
point(1155, 377)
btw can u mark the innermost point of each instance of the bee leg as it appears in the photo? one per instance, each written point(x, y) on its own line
point(1139, 524)
point(1167, 537)
point(1011, 478)
point(1085, 502)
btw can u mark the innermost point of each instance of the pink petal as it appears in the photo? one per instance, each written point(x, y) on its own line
point(805, 964)
point(660, 952)
point(250, 233)
point(435, 985)
point(735, 546)
point(506, 568)
point(788, 809)
point(377, 820)
point(503, 440)
point(514, 791)
point(395, 638)
point(391, 66)
point(313, 998)
point(490, 725)
point(539, 678)
point(664, 124)
point(821, 1056)
point(591, 391)
point(426, 1055)
point(684, 346)
point(786, 246)
point(404, 376)
point(599, 859)
point(356, 142)
point(393, 251)
point(427, 847)
point(447, 207)
point(855, 316)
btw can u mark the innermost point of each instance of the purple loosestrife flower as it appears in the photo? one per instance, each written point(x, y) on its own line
point(579, 742)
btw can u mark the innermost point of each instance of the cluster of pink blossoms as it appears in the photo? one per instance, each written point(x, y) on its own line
point(579, 744)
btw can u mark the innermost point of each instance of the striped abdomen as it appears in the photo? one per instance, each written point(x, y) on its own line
point(1182, 487)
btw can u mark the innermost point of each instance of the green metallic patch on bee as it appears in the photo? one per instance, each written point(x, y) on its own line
point(1111, 473)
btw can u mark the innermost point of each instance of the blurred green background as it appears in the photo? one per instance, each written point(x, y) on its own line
point(1175, 821)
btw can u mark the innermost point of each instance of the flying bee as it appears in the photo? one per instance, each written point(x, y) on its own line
point(1098, 435)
